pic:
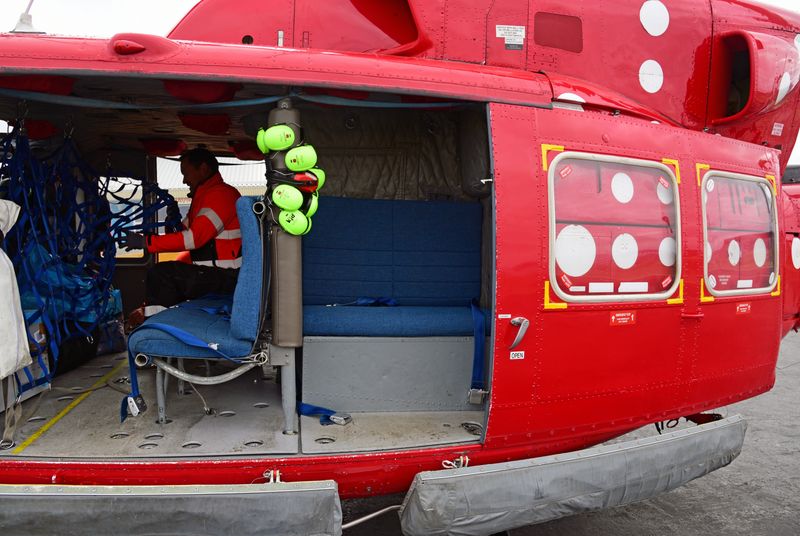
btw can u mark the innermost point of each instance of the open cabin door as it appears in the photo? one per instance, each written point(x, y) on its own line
point(593, 336)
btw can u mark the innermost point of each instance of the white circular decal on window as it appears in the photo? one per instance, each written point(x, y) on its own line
point(625, 251)
point(712, 281)
point(796, 253)
point(575, 250)
point(666, 251)
point(664, 194)
point(710, 185)
point(622, 187)
point(783, 87)
point(655, 17)
point(760, 253)
point(734, 253)
point(708, 252)
point(651, 76)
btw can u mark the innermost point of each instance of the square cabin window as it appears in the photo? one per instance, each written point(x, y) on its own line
point(740, 230)
point(614, 229)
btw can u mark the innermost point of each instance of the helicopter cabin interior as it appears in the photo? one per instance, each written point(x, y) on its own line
point(394, 281)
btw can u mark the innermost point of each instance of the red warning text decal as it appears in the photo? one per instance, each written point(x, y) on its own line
point(625, 318)
point(742, 308)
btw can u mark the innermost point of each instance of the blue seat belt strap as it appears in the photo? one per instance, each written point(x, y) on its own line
point(310, 410)
point(479, 333)
point(183, 336)
point(186, 338)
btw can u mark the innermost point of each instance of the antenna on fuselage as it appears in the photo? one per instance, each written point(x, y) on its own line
point(25, 22)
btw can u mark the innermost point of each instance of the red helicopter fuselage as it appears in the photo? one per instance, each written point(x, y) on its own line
point(697, 109)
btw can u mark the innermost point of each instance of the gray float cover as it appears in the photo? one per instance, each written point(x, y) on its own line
point(295, 508)
point(493, 498)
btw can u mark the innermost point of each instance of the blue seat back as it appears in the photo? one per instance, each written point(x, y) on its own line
point(246, 309)
point(417, 252)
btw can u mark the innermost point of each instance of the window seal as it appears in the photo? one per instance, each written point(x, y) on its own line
point(776, 243)
point(611, 298)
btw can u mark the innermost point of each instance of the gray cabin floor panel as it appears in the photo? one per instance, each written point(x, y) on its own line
point(247, 421)
point(92, 429)
point(389, 431)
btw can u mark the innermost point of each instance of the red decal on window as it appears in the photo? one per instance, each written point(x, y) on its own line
point(625, 318)
point(667, 282)
point(566, 280)
point(742, 308)
point(663, 182)
point(565, 172)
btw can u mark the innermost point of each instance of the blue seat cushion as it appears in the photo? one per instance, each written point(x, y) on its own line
point(246, 309)
point(403, 321)
point(192, 318)
point(420, 253)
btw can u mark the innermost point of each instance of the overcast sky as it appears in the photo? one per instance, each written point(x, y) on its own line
point(104, 18)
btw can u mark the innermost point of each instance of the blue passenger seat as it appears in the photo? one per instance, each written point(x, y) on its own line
point(229, 321)
point(424, 255)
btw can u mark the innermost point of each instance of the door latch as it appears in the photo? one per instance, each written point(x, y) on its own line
point(522, 323)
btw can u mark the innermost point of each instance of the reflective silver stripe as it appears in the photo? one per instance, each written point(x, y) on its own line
point(230, 235)
point(216, 221)
point(233, 263)
point(188, 239)
point(151, 310)
point(185, 222)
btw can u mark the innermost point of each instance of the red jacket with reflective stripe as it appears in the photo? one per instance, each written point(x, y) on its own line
point(212, 235)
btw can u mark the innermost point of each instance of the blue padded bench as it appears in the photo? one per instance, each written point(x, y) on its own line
point(426, 255)
point(235, 334)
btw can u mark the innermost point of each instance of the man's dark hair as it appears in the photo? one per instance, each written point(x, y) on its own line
point(199, 156)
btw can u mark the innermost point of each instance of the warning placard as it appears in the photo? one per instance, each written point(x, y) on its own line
point(514, 36)
point(623, 318)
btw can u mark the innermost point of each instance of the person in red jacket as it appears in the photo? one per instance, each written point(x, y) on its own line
point(211, 241)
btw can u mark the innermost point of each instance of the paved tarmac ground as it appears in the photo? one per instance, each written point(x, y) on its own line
point(758, 494)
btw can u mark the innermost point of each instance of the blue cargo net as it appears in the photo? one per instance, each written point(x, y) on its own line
point(63, 244)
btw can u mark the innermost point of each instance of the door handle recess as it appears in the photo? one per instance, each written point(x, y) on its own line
point(522, 323)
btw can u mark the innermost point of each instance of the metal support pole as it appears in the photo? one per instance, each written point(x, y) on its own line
point(160, 397)
point(181, 383)
point(289, 393)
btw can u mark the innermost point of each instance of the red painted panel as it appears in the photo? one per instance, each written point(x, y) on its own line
point(588, 370)
point(214, 21)
point(558, 31)
point(616, 44)
point(507, 34)
point(521, 234)
point(354, 25)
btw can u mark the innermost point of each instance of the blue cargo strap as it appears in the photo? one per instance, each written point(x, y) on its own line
point(63, 245)
point(479, 333)
point(326, 416)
